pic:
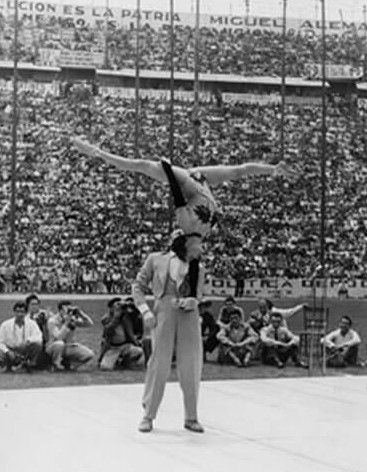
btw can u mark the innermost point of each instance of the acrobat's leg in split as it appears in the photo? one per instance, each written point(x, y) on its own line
point(152, 169)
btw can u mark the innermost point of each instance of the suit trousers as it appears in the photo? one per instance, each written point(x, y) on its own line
point(180, 332)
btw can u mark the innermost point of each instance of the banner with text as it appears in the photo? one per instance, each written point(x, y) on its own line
point(287, 288)
point(163, 95)
point(252, 98)
point(67, 57)
point(83, 15)
point(314, 71)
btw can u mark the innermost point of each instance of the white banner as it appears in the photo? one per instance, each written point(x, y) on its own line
point(252, 98)
point(29, 86)
point(164, 95)
point(287, 288)
point(67, 57)
point(314, 71)
point(82, 15)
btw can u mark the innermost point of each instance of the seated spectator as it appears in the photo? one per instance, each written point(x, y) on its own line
point(237, 340)
point(227, 309)
point(209, 328)
point(119, 346)
point(135, 316)
point(34, 312)
point(137, 321)
point(20, 341)
point(261, 317)
point(279, 343)
point(62, 347)
point(342, 345)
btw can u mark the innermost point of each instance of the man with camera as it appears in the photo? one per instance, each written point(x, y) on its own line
point(61, 345)
point(119, 344)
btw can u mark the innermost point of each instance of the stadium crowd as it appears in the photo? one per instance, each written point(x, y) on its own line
point(84, 227)
point(230, 51)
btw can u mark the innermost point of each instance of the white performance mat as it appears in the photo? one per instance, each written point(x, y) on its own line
point(275, 425)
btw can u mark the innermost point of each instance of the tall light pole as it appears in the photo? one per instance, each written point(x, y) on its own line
point(106, 52)
point(172, 83)
point(365, 43)
point(247, 5)
point(197, 83)
point(364, 73)
point(171, 143)
point(137, 87)
point(13, 197)
point(283, 85)
point(323, 143)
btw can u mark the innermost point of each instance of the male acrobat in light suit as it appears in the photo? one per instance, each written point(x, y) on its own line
point(175, 326)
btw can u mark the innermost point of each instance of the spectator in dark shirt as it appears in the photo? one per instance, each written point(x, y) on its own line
point(120, 346)
point(209, 327)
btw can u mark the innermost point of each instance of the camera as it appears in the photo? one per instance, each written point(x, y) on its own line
point(73, 311)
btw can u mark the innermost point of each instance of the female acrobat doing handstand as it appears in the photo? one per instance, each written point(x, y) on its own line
point(195, 207)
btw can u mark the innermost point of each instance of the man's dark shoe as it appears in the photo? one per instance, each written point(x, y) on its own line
point(194, 426)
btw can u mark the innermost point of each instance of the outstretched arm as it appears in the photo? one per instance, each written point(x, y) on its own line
point(221, 173)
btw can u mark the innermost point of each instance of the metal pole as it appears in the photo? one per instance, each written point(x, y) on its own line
point(172, 83)
point(364, 75)
point(137, 84)
point(106, 52)
point(323, 175)
point(171, 144)
point(365, 43)
point(14, 140)
point(323, 146)
point(197, 84)
point(282, 124)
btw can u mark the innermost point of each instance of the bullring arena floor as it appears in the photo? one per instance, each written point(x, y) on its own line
point(285, 425)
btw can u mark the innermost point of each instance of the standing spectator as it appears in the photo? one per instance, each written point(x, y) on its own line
point(209, 328)
point(227, 309)
point(342, 345)
point(61, 331)
point(239, 275)
point(119, 345)
point(20, 340)
point(237, 340)
point(279, 343)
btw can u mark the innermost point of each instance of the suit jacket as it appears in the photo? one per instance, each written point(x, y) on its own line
point(153, 277)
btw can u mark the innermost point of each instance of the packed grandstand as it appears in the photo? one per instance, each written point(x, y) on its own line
point(84, 227)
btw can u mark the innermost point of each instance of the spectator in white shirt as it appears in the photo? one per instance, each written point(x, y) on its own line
point(20, 341)
point(61, 346)
point(342, 344)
